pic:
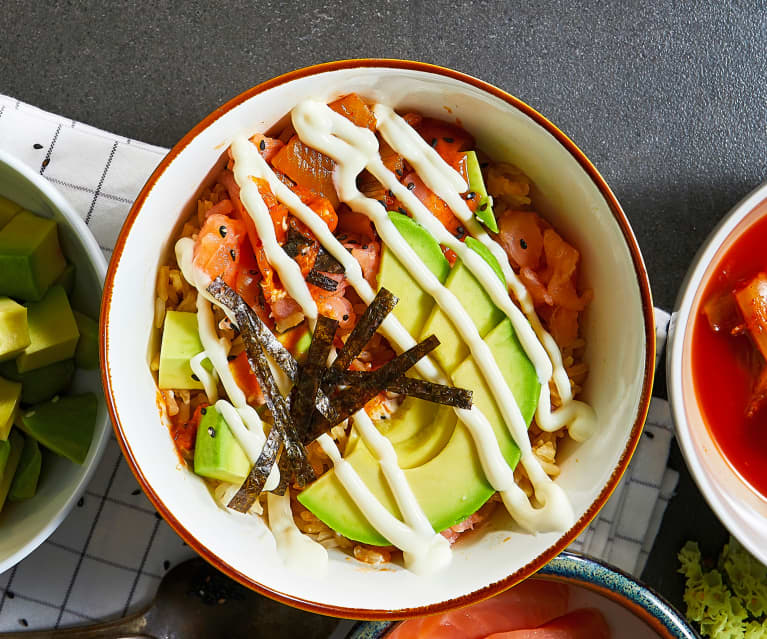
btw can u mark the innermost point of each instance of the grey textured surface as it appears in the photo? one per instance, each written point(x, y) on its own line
point(667, 98)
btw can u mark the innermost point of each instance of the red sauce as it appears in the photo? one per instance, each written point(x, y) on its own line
point(722, 376)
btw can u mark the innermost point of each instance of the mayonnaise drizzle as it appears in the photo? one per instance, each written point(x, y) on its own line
point(298, 551)
point(423, 550)
point(209, 380)
point(354, 149)
point(445, 182)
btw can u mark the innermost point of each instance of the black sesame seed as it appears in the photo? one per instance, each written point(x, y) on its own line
point(460, 231)
point(203, 411)
point(211, 431)
point(522, 243)
point(222, 231)
point(135, 492)
point(80, 502)
point(262, 145)
point(401, 210)
point(483, 206)
point(391, 194)
point(24, 622)
point(166, 563)
point(470, 195)
point(434, 142)
point(449, 140)
point(383, 416)
point(364, 247)
point(9, 594)
point(410, 186)
point(345, 318)
point(230, 358)
point(382, 203)
point(195, 378)
point(400, 172)
point(233, 254)
point(37, 146)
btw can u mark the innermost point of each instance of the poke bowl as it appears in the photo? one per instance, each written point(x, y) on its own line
point(292, 170)
point(59, 483)
point(715, 364)
point(572, 589)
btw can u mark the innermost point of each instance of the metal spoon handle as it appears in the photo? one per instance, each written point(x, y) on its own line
point(131, 627)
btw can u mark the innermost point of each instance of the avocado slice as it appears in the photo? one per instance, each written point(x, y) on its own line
point(452, 350)
point(24, 484)
point(14, 330)
point(8, 210)
point(10, 392)
point(484, 212)
point(67, 279)
point(64, 424)
point(87, 351)
point(53, 331)
point(30, 256)
point(40, 384)
point(180, 343)
point(10, 455)
point(217, 453)
point(415, 303)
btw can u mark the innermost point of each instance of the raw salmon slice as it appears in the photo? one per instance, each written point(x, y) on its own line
point(527, 605)
point(579, 624)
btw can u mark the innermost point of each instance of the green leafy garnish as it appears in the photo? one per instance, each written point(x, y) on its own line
point(730, 601)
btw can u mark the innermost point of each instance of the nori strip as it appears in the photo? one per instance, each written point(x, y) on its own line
point(321, 280)
point(224, 294)
point(350, 400)
point(295, 243)
point(284, 477)
point(248, 323)
point(366, 326)
point(304, 393)
point(428, 391)
point(326, 263)
point(251, 488)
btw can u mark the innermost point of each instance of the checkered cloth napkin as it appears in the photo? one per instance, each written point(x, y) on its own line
point(110, 553)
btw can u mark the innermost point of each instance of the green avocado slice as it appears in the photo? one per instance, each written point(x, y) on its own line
point(217, 453)
point(24, 484)
point(10, 455)
point(484, 212)
point(415, 303)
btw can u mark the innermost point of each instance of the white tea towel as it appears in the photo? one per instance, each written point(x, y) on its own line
point(112, 550)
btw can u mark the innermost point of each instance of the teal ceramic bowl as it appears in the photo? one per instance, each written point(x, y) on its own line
point(632, 610)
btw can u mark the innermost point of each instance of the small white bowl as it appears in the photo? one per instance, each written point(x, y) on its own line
point(739, 507)
point(618, 326)
point(25, 525)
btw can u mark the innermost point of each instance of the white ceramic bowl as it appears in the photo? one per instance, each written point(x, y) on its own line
point(618, 326)
point(25, 525)
point(739, 507)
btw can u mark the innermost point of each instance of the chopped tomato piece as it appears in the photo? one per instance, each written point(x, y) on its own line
point(185, 434)
point(308, 168)
point(246, 379)
point(267, 147)
point(353, 108)
point(435, 204)
point(752, 302)
point(218, 248)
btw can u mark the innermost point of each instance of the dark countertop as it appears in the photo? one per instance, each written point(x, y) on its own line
point(668, 99)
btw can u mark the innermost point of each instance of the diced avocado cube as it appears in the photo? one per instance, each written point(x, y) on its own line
point(10, 455)
point(87, 352)
point(52, 330)
point(40, 384)
point(14, 332)
point(64, 424)
point(10, 392)
point(30, 256)
point(8, 210)
point(180, 343)
point(484, 212)
point(67, 279)
point(24, 484)
point(217, 453)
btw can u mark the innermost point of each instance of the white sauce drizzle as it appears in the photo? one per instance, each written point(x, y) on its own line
point(444, 181)
point(423, 552)
point(209, 380)
point(298, 551)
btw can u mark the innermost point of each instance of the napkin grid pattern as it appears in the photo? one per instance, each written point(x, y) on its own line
point(109, 555)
